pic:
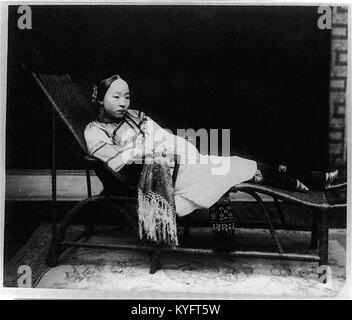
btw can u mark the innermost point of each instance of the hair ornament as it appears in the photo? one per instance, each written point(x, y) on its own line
point(95, 93)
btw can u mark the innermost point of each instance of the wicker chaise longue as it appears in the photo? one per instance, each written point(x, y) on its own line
point(69, 104)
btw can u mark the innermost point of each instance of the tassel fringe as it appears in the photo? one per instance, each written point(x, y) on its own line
point(156, 219)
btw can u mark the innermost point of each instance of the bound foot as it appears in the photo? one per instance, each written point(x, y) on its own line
point(279, 179)
point(295, 180)
point(330, 177)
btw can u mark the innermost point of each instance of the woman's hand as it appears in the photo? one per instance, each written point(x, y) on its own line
point(161, 149)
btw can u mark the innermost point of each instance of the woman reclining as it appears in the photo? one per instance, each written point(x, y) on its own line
point(121, 136)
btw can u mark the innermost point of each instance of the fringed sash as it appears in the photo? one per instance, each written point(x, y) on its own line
point(156, 203)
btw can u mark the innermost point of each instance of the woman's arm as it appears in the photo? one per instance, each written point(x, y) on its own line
point(101, 146)
point(165, 141)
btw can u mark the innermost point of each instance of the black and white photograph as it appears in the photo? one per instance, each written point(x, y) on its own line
point(176, 151)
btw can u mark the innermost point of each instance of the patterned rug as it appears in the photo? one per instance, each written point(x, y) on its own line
point(100, 269)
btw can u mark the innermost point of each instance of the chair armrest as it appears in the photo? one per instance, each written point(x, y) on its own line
point(337, 186)
point(101, 167)
point(91, 162)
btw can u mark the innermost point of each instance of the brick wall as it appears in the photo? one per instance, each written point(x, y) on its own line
point(338, 87)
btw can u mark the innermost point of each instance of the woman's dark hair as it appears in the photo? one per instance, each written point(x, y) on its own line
point(99, 90)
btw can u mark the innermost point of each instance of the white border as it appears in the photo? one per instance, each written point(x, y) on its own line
point(3, 95)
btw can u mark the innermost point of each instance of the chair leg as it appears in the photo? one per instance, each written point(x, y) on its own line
point(323, 246)
point(280, 212)
point(55, 248)
point(89, 185)
point(130, 220)
point(186, 230)
point(271, 227)
point(90, 222)
point(89, 226)
point(315, 231)
point(155, 263)
point(52, 258)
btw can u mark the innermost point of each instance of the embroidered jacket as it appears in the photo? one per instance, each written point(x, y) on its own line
point(109, 142)
point(135, 136)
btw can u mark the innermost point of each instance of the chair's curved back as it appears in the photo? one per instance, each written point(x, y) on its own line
point(76, 112)
point(69, 103)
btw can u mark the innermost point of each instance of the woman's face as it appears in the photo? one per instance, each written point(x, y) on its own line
point(117, 99)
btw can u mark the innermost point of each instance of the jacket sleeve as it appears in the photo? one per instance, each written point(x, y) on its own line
point(164, 139)
point(101, 146)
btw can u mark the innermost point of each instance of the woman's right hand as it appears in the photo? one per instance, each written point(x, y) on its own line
point(142, 149)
